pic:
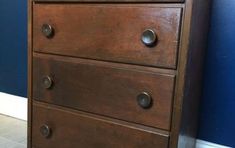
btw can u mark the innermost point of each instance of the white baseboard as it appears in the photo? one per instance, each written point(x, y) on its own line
point(16, 107)
point(206, 144)
point(13, 106)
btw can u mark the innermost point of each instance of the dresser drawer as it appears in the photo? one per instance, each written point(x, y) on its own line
point(126, 33)
point(57, 128)
point(131, 93)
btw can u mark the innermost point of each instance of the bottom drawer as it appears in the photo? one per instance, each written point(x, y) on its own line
point(55, 127)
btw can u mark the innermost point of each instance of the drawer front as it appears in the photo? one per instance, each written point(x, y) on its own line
point(121, 32)
point(105, 89)
point(53, 127)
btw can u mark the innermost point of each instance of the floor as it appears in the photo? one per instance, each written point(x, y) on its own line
point(13, 132)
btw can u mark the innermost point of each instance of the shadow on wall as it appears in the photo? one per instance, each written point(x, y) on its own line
point(218, 104)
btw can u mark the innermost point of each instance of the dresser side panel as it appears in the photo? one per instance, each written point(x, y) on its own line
point(194, 71)
point(29, 23)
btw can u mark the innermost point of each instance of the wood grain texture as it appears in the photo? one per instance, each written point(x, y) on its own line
point(189, 78)
point(109, 32)
point(104, 89)
point(30, 51)
point(114, 1)
point(70, 130)
point(109, 74)
point(194, 73)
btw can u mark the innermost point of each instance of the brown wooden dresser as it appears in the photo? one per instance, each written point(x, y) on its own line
point(115, 73)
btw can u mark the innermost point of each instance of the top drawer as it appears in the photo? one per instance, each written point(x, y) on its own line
point(109, 32)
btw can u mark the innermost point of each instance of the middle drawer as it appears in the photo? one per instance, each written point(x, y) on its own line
point(131, 93)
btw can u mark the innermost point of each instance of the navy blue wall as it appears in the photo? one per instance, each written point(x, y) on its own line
point(13, 46)
point(218, 105)
point(217, 122)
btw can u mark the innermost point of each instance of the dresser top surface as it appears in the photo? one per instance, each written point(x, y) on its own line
point(161, 1)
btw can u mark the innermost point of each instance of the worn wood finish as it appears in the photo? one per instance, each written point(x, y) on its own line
point(109, 32)
point(114, 1)
point(170, 124)
point(70, 130)
point(189, 78)
point(29, 23)
point(104, 89)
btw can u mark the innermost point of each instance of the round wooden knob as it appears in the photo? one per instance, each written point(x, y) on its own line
point(144, 100)
point(45, 131)
point(47, 82)
point(149, 37)
point(47, 30)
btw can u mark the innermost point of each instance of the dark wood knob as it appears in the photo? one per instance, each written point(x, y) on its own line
point(45, 131)
point(144, 100)
point(149, 37)
point(47, 30)
point(47, 82)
